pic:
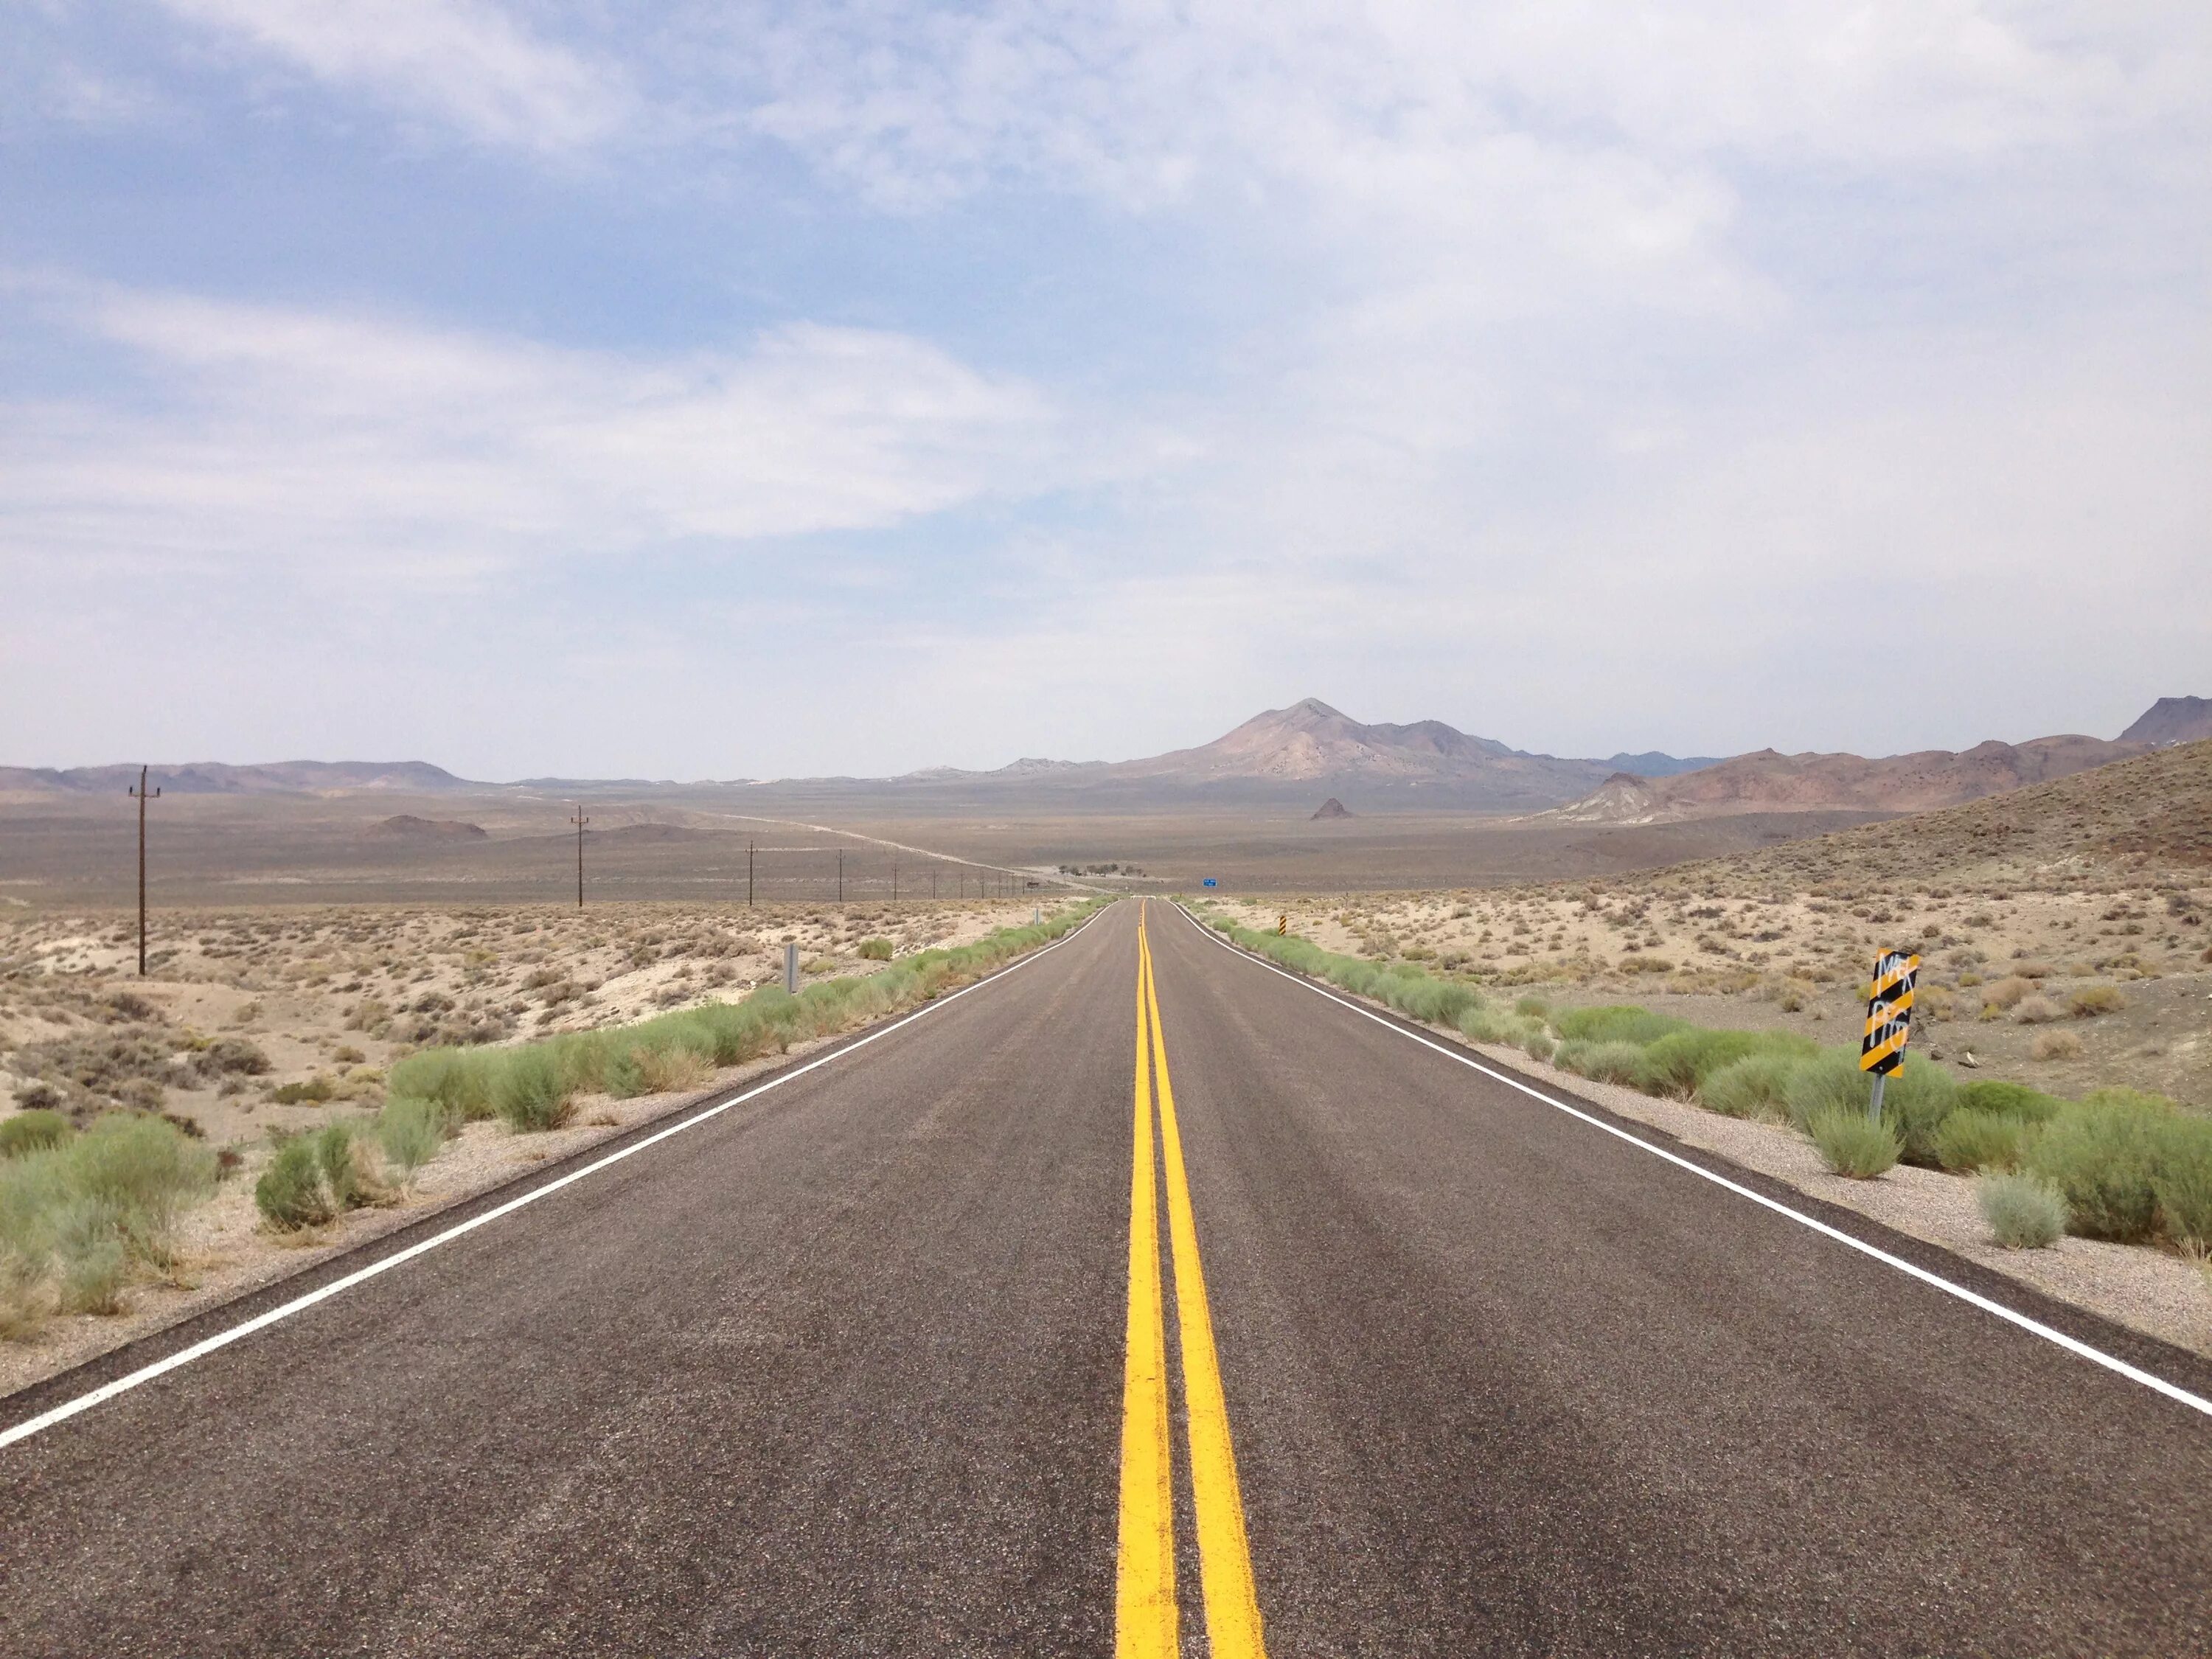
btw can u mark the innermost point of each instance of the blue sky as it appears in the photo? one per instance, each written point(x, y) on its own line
point(723, 391)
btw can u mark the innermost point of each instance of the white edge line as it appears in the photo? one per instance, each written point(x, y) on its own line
point(206, 1345)
point(2034, 1327)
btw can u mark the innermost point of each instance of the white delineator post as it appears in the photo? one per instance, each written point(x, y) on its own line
point(791, 966)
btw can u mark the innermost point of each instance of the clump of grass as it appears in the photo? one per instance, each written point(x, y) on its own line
point(2012, 1100)
point(409, 1133)
point(2024, 1213)
point(2183, 1184)
point(2102, 1154)
point(2092, 1000)
point(1757, 1085)
point(2054, 1045)
point(672, 1069)
point(290, 1194)
point(1617, 1024)
point(1915, 1101)
point(2006, 992)
point(530, 1091)
point(1679, 1063)
point(77, 1216)
point(1969, 1141)
point(1851, 1143)
point(875, 950)
point(313, 1091)
point(33, 1131)
point(1602, 1062)
point(2036, 1011)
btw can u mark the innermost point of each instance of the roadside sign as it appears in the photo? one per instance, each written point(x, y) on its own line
point(1888, 1020)
point(1282, 926)
point(1210, 881)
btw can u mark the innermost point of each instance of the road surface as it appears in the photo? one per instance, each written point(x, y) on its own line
point(998, 1334)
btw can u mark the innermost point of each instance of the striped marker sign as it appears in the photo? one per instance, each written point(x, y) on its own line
point(1888, 1021)
point(1282, 926)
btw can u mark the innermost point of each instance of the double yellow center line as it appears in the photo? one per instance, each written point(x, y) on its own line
point(1145, 1622)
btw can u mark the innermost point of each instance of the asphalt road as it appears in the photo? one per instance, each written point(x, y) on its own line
point(846, 1371)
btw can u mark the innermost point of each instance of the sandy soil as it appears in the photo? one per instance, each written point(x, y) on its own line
point(2004, 973)
point(329, 996)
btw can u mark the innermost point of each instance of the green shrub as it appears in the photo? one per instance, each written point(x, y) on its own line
point(2012, 1100)
point(88, 1234)
point(1851, 1144)
point(409, 1133)
point(314, 1091)
point(1969, 1141)
point(1533, 1008)
point(1483, 1024)
point(459, 1080)
point(875, 950)
point(1918, 1097)
point(334, 1158)
point(148, 1170)
point(2024, 1214)
point(2102, 1155)
point(1617, 1024)
point(290, 1193)
point(1605, 1062)
point(33, 1132)
point(1679, 1063)
point(1755, 1086)
point(530, 1091)
point(2183, 1182)
point(1538, 1043)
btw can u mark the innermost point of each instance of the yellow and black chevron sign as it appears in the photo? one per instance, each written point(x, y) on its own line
point(1282, 926)
point(1889, 1013)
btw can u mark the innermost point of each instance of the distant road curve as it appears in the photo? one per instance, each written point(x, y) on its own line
point(905, 847)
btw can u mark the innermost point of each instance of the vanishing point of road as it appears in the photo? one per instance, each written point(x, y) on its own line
point(1141, 1299)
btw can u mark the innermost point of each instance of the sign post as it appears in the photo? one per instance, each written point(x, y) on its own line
point(1888, 1021)
point(791, 966)
point(1282, 926)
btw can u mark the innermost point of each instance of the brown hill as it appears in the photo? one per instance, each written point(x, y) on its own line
point(220, 778)
point(2145, 818)
point(1311, 743)
point(407, 827)
point(1331, 808)
point(2173, 719)
point(1767, 781)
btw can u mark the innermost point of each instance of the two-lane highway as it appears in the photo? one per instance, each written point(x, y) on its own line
point(1331, 1344)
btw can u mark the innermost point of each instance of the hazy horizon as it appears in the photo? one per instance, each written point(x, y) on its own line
point(689, 391)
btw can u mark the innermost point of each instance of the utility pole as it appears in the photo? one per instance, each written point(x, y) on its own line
point(580, 821)
point(143, 795)
point(749, 871)
point(841, 875)
point(894, 879)
point(933, 884)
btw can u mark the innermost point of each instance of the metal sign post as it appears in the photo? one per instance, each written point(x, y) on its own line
point(791, 966)
point(1888, 1021)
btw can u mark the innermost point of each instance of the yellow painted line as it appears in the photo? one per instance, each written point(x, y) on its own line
point(1144, 1596)
point(1224, 1554)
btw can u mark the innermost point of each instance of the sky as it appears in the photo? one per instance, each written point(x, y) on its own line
point(752, 390)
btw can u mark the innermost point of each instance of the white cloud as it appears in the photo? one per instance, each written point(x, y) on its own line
point(460, 61)
point(275, 433)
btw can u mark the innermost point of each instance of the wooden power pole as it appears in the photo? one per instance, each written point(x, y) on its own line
point(749, 871)
point(580, 821)
point(143, 795)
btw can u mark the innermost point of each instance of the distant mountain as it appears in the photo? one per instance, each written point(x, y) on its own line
point(217, 778)
point(2172, 721)
point(1770, 782)
point(1331, 808)
point(1653, 764)
point(2139, 818)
